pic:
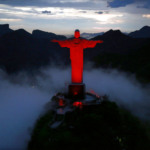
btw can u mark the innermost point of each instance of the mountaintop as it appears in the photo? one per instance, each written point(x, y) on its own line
point(113, 33)
point(20, 50)
point(22, 32)
point(4, 29)
point(117, 42)
point(47, 35)
point(144, 32)
point(91, 35)
point(4, 26)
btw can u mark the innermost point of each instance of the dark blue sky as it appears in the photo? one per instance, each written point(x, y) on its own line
point(63, 16)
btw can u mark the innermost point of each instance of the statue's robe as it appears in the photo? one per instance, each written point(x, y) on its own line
point(76, 46)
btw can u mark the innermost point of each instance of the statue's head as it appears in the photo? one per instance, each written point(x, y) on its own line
point(77, 33)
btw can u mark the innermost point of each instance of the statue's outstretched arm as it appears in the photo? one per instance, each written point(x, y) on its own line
point(63, 43)
point(91, 43)
point(100, 41)
point(54, 41)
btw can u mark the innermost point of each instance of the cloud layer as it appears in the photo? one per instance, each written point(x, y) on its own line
point(23, 98)
point(74, 3)
point(62, 17)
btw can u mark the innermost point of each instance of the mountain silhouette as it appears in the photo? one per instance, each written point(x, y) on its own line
point(47, 35)
point(91, 35)
point(142, 33)
point(4, 29)
point(21, 50)
point(124, 53)
point(115, 42)
point(114, 33)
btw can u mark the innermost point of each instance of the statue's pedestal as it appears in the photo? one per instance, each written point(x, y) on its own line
point(76, 91)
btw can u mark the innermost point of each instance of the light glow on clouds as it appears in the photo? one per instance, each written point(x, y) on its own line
point(23, 8)
point(66, 14)
point(9, 20)
point(59, 13)
point(146, 16)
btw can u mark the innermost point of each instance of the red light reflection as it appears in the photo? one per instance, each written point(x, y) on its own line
point(78, 104)
point(61, 102)
point(93, 92)
point(75, 93)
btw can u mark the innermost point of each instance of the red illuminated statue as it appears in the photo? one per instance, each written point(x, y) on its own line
point(76, 46)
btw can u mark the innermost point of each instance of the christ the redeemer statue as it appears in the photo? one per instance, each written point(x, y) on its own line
point(76, 46)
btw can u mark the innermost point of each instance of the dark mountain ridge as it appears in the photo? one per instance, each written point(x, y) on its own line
point(4, 29)
point(114, 33)
point(115, 42)
point(47, 35)
point(20, 50)
point(91, 35)
point(142, 33)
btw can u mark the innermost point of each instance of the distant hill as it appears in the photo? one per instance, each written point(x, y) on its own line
point(116, 33)
point(21, 32)
point(4, 29)
point(142, 33)
point(136, 62)
point(91, 35)
point(20, 50)
point(47, 35)
point(114, 42)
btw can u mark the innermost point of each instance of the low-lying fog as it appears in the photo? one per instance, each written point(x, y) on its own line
point(23, 96)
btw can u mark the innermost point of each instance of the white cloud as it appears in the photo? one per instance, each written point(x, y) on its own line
point(23, 98)
point(109, 19)
point(9, 20)
point(74, 13)
point(59, 13)
point(104, 29)
point(23, 8)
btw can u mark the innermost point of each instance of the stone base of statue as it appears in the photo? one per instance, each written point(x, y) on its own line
point(76, 91)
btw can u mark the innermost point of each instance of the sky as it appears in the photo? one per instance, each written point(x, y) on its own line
point(64, 16)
